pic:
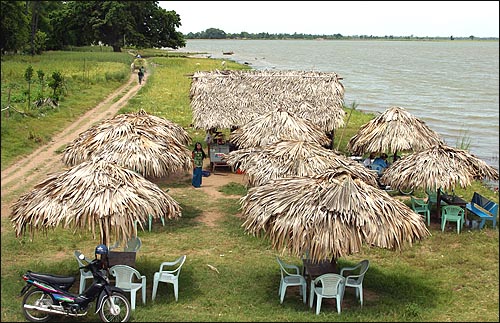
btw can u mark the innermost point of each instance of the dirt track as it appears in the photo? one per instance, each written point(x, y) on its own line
point(27, 172)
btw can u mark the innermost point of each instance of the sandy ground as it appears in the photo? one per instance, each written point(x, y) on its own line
point(29, 171)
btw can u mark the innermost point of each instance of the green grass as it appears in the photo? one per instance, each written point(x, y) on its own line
point(446, 277)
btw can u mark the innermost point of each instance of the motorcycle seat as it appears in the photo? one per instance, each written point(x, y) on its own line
point(62, 281)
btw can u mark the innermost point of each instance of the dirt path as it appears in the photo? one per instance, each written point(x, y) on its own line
point(27, 172)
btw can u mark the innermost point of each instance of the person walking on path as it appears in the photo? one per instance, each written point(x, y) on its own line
point(198, 156)
point(141, 74)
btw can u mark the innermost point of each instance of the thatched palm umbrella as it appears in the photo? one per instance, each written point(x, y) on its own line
point(277, 125)
point(394, 130)
point(439, 166)
point(293, 158)
point(223, 99)
point(161, 127)
point(329, 215)
point(96, 195)
point(150, 145)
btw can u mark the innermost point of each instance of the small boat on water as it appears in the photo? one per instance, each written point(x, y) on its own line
point(227, 53)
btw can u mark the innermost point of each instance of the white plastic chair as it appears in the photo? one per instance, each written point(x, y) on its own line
point(125, 280)
point(133, 245)
point(332, 286)
point(355, 280)
point(290, 279)
point(83, 275)
point(169, 276)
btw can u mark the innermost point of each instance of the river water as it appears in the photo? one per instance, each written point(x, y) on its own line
point(453, 86)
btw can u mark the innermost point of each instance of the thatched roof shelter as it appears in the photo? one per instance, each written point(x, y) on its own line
point(152, 146)
point(277, 125)
point(394, 130)
point(223, 99)
point(94, 195)
point(329, 215)
point(293, 158)
point(439, 166)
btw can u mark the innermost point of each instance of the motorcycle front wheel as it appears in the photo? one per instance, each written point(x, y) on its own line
point(36, 297)
point(119, 313)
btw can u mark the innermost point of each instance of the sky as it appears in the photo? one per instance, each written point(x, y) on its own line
point(348, 18)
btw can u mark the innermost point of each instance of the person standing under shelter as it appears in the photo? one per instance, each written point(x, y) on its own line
point(198, 156)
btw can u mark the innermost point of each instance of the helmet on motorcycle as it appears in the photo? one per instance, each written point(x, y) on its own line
point(101, 250)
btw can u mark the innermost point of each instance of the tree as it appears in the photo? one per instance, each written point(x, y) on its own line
point(141, 23)
point(214, 33)
point(14, 32)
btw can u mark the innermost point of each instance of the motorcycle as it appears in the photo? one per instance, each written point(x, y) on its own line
point(46, 295)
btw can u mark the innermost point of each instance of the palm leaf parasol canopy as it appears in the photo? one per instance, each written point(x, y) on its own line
point(162, 127)
point(223, 99)
point(293, 158)
point(329, 215)
point(439, 166)
point(394, 130)
point(277, 125)
point(150, 145)
point(96, 195)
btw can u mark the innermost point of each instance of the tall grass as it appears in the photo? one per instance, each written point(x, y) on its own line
point(88, 78)
point(446, 277)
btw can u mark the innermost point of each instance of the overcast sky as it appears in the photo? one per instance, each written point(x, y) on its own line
point(349, 18)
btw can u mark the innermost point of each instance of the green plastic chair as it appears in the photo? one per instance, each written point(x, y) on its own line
point(291, 279)
point(421, 207)
point(327, 286)
point(452, 213)
point(355, 277)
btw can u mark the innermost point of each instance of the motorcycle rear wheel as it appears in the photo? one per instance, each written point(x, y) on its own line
point(123, 315)
point(36, 297)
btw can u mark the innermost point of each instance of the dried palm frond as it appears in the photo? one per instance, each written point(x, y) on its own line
point(222, 99)
point(439, 166)
point(329, 215)
point(293, 158)
point(152, 146)
point(394, 130)
point(95, 195)
point(275, 126)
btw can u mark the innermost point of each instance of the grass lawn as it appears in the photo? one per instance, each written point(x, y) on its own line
point(446, 277)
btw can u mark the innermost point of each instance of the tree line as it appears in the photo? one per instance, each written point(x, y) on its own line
point(215, 33)
point(34, 26)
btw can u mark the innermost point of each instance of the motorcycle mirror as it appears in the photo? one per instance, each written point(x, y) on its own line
point(81, 256)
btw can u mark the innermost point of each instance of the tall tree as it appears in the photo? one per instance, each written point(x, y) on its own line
point(14, 25)
point(114, 23)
